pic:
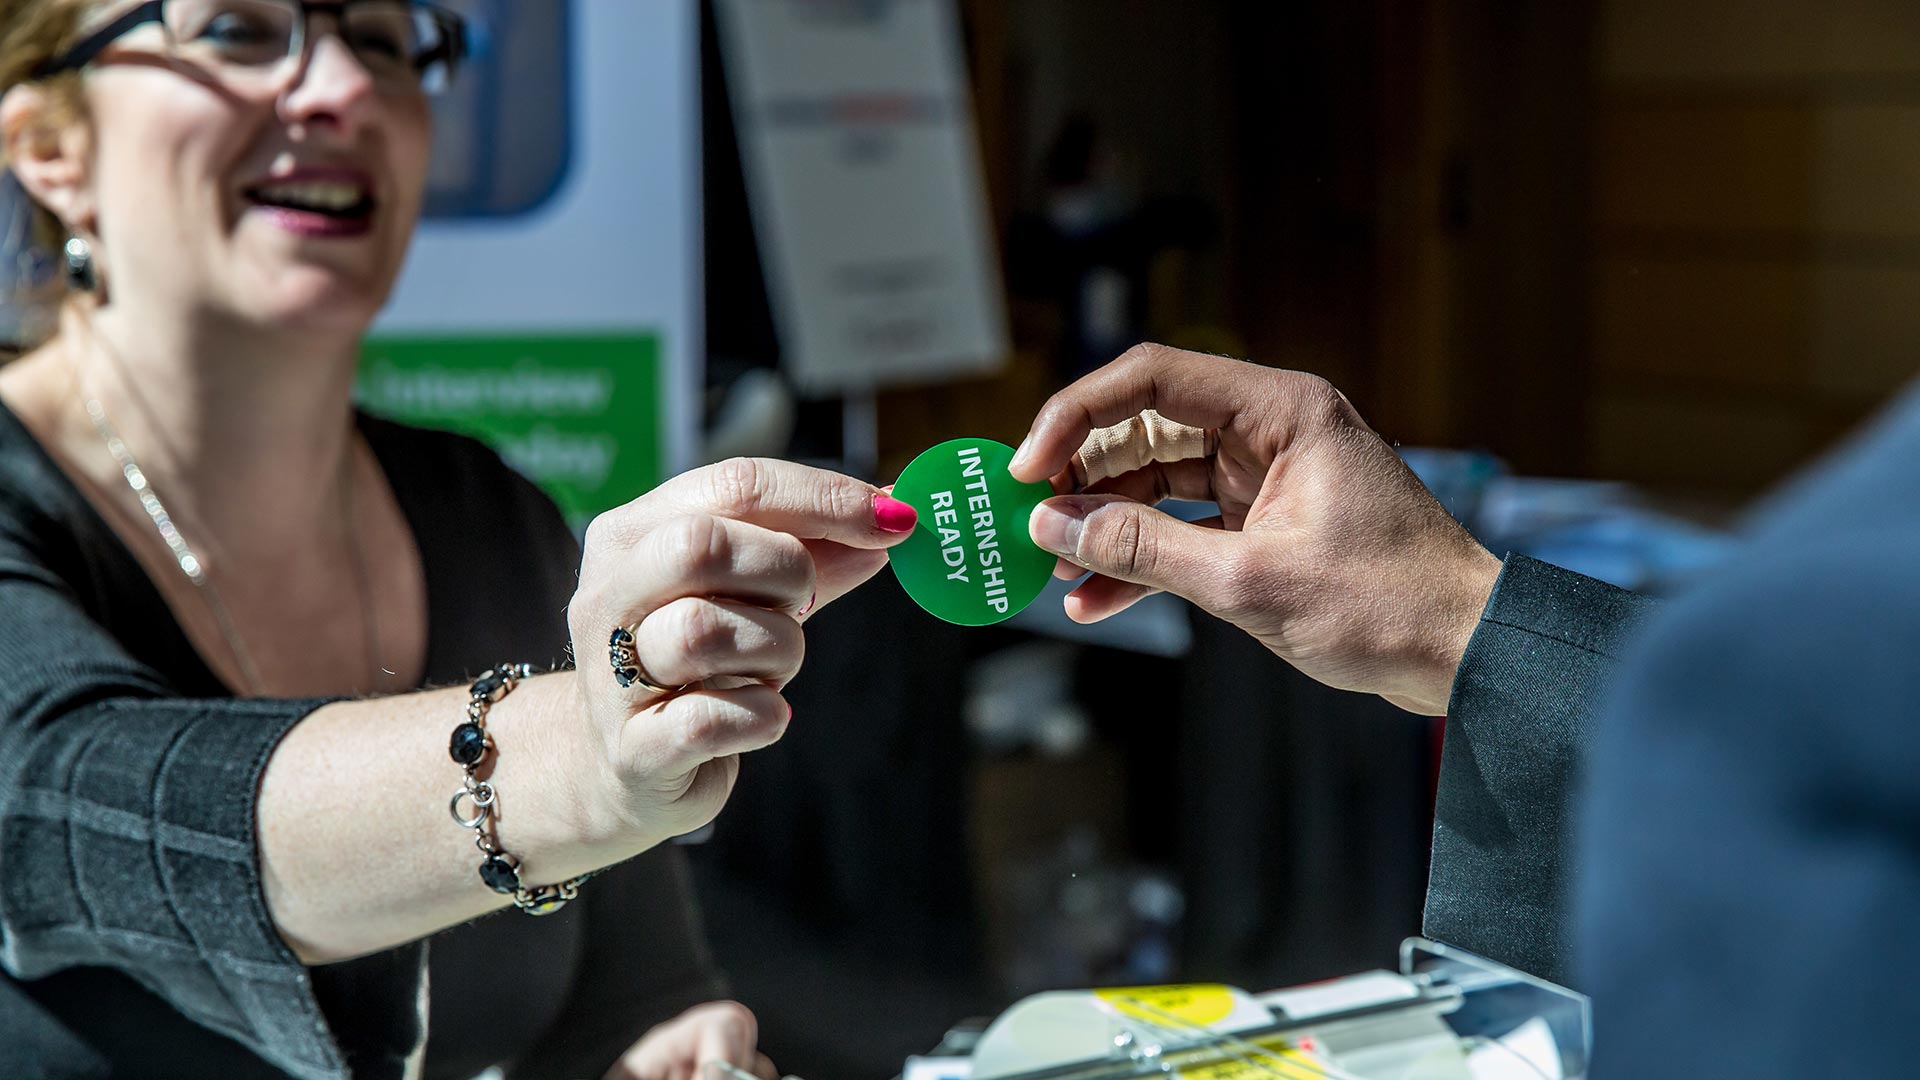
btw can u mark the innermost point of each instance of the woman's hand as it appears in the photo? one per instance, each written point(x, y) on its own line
point(715, 571)
point(1327, 549)
point(681, 1048)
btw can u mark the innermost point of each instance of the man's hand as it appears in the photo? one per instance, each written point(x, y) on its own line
point(681, 1048)
point(1327, 548)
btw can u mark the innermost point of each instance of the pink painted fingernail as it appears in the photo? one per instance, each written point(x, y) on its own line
point(811, 600)
point(892, 515)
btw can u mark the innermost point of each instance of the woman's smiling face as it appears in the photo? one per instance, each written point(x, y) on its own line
point(284, 195)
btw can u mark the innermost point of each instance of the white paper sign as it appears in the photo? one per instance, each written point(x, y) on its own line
point(856, 132)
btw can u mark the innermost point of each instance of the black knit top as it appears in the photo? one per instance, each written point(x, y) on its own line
point(134, 934)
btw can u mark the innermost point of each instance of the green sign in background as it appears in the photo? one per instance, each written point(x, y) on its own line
point(579, 414)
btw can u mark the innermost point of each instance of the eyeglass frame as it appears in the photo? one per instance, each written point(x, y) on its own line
point(453, 50)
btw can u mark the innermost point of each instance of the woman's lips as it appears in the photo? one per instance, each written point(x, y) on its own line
point(317, 201)
point(316, 224)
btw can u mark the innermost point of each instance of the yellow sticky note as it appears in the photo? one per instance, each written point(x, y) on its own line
point(1204, 1004)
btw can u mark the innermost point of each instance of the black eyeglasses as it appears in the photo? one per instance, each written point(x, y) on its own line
point(400, 42)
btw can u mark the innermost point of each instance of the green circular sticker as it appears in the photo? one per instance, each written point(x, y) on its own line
point(971, 560)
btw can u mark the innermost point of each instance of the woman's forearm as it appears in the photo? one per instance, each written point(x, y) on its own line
point(358, 850)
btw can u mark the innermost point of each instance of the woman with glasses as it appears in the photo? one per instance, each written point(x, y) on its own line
point(236, 837)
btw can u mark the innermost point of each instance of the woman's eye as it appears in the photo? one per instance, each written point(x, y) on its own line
point(236, 31)
point(382, 45)
point(383, 36)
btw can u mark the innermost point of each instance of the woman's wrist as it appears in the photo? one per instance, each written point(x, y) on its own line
point(475, 805)
point(411, 871)
point(561, 805)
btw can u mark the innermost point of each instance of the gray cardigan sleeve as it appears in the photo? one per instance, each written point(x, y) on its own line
point(1518, 727)
point(127, 822)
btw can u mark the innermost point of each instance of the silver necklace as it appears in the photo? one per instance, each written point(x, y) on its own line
point(196, 570)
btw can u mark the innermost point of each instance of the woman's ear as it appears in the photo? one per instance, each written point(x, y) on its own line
point(49, 154)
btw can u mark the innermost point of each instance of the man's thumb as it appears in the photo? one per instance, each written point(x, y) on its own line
point(1120, 538)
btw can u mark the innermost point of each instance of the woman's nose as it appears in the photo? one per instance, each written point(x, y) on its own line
point(332, 88)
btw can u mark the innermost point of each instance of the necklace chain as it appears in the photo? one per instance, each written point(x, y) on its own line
point(196, 571)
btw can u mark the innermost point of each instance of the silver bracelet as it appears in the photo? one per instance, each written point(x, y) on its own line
point(499, 868)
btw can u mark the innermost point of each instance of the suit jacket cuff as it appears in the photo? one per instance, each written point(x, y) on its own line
point(1518, 725)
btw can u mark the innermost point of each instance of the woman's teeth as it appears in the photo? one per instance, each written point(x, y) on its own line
point(321, 196)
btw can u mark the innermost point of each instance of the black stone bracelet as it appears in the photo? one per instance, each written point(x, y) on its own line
point(469, 746)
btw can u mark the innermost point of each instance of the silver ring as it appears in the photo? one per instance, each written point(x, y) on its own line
point(624, 656)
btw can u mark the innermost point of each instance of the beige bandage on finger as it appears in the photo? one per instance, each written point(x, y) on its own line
point(1135, 444)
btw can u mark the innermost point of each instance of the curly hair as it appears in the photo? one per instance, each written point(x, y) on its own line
point(33, 32)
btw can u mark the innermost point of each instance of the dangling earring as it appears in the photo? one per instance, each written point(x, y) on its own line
point(79, 260)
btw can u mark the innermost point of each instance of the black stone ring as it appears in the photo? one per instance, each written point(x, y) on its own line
point(625, 658)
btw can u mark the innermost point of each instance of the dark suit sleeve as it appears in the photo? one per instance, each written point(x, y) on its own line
point(1518, 727)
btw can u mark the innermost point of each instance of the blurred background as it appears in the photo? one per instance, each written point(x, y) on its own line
point(1605, 270)
point(1615, 267)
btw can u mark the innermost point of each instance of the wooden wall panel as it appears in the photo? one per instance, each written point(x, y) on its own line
point(1868, 176)
point(1703, 40)
point(1796, 168)
point(1689, 320)
point(1706, 166)
point(1757, 232)
point(1699, 443)
point(1844, 332)
point(1866, 343)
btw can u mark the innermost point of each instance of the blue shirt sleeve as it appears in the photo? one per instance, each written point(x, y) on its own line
point(1751, 833)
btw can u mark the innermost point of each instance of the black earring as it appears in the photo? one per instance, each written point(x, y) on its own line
point(79, 261)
